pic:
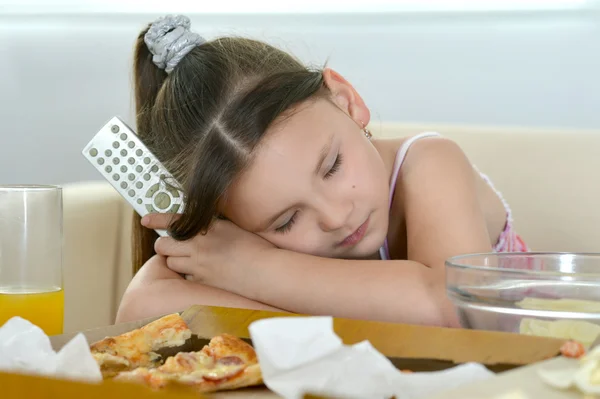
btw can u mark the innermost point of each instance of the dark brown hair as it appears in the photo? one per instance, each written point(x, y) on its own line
point(205, 118)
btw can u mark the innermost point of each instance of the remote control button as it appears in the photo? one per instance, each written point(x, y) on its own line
point(123, 185)
point(146, 160)
point(146, 176)
point(131, 177)
point(131, 161)
point(152, 190)
point(116, 161)
point(162, 176)
point(139, 201)
point(139, 184)
point(108, 169)
point(123, 136)
point(139, 152)
point(123, 169)
point(131, 144)
point(151, 209)
point(162, 201)
point(116, 177)
point(100, 161)
point(174, 208)
point(116, 144)
point(108, 153)
point(131, 193)
point(154, 168)
point(114, 128)
point(93, 152)
point(123, 153)
point(174, 192)
point(139, 169)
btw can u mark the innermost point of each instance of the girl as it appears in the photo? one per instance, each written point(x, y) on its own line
point(290, 203)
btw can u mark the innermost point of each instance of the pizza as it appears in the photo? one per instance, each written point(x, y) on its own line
point(225, 363)
point(138, 348)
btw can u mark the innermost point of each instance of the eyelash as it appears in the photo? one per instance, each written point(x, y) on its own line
point(335, 167)
point(287, 227)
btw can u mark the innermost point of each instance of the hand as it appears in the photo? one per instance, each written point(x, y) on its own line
point(225, 257)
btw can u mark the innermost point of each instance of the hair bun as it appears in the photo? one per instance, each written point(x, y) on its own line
point(169, 39)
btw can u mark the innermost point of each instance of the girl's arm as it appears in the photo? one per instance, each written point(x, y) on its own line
point(394, 291)
point(155, 290)
point(443, 218)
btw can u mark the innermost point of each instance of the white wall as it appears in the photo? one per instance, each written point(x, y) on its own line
point(63, 77)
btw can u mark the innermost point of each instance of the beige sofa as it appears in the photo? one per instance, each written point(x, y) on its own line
point(549, 177)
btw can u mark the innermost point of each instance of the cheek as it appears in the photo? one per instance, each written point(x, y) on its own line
point(366, 176)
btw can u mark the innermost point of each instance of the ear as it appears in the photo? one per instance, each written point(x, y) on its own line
point(346, 97)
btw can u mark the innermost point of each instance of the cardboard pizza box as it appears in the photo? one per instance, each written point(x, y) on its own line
point(413, 347)
point(29, 386)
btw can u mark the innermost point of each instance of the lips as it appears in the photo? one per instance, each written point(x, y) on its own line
point(355, 237)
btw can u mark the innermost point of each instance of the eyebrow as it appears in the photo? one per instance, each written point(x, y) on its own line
point(324, 153)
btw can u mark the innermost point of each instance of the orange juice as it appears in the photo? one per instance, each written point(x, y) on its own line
point(44, 308)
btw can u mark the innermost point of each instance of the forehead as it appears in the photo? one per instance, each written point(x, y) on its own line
point(283, 165)
point(304, 132)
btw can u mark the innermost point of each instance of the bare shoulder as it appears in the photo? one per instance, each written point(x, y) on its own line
point(434, 153)
point(434, 169)
point(440, 165)
point(433, 165)
point(440, 201)
point(423, 155)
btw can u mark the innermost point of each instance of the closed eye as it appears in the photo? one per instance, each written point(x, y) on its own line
point(335, 167)
point(288, 225)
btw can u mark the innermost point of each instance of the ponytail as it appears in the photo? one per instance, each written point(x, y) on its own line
point(148, 80)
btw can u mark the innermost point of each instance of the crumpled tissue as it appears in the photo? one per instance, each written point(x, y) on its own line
point(582, 374)
point(301, 355)
point(25, 348)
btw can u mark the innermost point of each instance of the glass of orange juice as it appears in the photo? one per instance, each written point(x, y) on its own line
point(31, 240)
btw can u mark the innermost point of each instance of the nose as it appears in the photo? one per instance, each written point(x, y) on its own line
point(334, 215)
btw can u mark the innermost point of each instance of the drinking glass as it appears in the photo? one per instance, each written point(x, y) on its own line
point(31, 252)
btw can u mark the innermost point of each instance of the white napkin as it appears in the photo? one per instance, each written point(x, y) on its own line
point(303, 354)
point(25, 348)
point(582, 374)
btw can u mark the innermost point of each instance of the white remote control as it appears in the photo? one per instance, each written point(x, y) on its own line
point(123, 160)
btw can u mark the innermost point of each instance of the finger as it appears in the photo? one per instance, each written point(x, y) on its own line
point(167, 246)
point(160, 221)
point(180, 264)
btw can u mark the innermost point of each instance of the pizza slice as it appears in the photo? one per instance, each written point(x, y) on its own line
point(225, 363)
point(138, 348)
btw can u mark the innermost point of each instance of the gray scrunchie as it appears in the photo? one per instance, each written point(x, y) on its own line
point(169, 39)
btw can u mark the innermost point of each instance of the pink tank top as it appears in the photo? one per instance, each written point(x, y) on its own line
point(509, 240)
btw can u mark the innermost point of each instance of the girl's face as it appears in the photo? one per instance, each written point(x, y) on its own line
point(316, 184)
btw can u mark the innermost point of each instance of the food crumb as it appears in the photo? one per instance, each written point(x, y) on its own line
point(572, 349)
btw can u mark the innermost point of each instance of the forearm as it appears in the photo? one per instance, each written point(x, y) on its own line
point(156, 291)
point(396, 291)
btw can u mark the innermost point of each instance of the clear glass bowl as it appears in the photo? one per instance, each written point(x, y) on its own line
point(549, 294)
